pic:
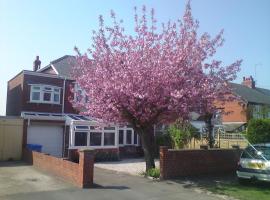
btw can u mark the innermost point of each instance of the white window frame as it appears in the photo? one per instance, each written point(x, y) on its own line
point(125, 129)
point(73, 131)
point(78, 88)
point(42, 90)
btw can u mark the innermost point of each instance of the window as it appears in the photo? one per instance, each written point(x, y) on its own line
point(82, 127)
point(80, 138)
point(135, 141)
point(121, 136)
point(45, 94)
point(109, 139)
point(129, 137)
point(80, 94)
point(95, 138)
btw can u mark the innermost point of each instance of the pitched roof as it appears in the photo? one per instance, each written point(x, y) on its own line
point(62, 66)
point(256, 95)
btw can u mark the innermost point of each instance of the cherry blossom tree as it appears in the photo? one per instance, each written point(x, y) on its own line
point(155, 75)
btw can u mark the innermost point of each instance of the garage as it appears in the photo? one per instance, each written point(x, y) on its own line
point(49, 136)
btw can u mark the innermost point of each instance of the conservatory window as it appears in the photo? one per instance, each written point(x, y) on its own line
point(80, 138)
point(109, 139)
point(95, 138)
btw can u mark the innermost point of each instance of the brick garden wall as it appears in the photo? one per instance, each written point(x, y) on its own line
point(80, 174)
point(177, 163)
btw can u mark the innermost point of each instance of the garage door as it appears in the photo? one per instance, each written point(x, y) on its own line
point(50, 137)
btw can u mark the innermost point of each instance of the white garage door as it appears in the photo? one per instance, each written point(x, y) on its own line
point(50, 137)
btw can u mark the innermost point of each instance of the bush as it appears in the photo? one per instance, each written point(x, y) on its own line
point(163, 140)
point(153, 172)
point(258, 130)
point(181, 133)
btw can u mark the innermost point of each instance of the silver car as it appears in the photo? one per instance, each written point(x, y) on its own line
point(255, 163)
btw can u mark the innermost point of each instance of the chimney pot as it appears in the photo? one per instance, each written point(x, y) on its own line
point(36, 64)
point(249, 82)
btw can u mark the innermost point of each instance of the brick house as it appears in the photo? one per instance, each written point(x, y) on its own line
point(42, 99)
point(254, 103)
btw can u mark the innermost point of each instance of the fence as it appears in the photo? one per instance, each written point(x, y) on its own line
point(11, 134)
point(222, 140)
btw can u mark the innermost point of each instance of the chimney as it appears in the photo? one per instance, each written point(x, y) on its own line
point(36, 64)
point(249, 82)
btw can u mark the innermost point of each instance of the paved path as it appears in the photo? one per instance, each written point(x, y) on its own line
point(133, 166)
point(22, 182)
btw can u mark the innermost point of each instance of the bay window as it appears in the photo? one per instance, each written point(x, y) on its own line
point(127, 136)
point(45, 94)
point(95, 138)
point(121, 137)
point(80, 138)
point(109, 138)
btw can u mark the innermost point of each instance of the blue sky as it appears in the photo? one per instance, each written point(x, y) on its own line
point(52, 28)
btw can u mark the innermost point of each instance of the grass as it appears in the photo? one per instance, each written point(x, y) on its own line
point(228, 185)
point(247, 191)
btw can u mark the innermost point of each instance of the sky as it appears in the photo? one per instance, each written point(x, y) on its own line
point(52, 28)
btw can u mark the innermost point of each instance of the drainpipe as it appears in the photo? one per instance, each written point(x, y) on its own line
point(63, 110)
point(63, 98)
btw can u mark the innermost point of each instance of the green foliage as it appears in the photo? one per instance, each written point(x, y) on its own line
point(181, 133)
point(163, 140)
point(258, 130)
point(106, 156)
point(153, 172)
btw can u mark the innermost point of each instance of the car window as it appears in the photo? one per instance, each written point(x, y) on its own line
point(251, 153)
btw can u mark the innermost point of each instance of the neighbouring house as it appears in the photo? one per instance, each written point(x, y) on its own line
point(254, 103)
point(42, 99)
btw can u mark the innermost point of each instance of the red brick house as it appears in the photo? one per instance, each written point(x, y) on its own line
point(254, 103)
point(42, 98)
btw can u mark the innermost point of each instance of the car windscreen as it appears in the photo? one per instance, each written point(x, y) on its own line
point(254, 153)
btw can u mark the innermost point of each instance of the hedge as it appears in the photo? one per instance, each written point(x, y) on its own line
point(258, 131)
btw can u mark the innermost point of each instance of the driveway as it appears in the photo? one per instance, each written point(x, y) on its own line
point(22, 182)
point(133, 166)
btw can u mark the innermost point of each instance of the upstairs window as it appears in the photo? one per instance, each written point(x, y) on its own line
point(80, 94)
point(45, 94)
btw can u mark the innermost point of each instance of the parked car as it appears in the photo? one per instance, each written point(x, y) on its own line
point(255, 163)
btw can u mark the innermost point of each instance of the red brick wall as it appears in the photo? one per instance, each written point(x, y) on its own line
point(177, 163)
point(73, 154)
point(14, 96)
point(130, 151)
point(18, 95)
point(80, 174)
point(236, 111)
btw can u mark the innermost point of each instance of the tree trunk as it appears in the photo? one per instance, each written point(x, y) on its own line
point(209, 126)
point(148, 144)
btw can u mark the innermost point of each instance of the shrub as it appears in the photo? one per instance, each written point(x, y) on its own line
point(163, 140)
point(258, 130)
point(181, 133)
point(153, 172)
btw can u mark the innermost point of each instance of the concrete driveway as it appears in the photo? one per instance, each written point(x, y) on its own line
point(22, 182)
point(133, 166)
